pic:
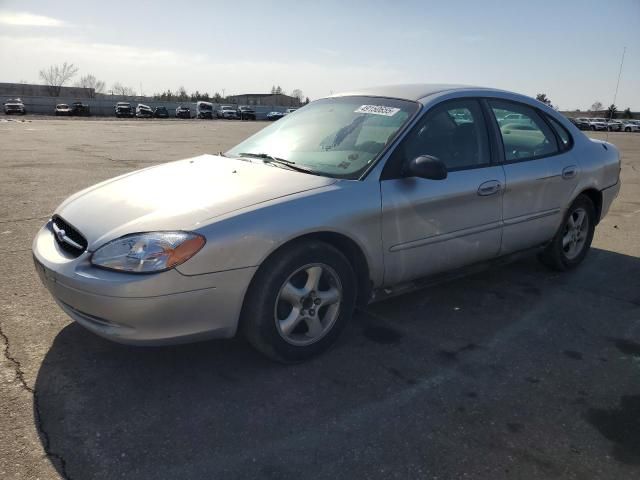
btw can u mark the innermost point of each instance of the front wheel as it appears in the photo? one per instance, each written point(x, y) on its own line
point(571, 243)
point(299, 301)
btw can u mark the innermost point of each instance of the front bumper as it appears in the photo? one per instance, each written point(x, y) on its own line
point(150, 309)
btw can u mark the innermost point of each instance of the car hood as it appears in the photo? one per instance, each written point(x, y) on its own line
point(180, 195)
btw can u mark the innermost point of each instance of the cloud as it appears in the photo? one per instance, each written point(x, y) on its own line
point(328, 51)
point(24, 19)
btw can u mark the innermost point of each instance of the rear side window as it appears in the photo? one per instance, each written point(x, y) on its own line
point(455, 132)
point(525, 134)
point(563, 135)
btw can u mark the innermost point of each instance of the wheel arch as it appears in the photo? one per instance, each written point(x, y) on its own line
point(595, 196)
point(346, 245)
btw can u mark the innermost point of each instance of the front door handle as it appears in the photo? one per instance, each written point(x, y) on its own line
point(489, 188)
point(569, 172)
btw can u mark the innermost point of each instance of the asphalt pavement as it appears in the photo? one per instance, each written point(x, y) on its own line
point(513, 372)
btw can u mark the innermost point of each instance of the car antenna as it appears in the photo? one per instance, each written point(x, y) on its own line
point(616, 92)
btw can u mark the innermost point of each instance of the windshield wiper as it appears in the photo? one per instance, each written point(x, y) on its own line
point(266, 158)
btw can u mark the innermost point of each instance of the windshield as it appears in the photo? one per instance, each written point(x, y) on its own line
point(205, 106)
point(337, 137)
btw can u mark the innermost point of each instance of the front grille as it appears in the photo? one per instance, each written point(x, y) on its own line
point(70, 233)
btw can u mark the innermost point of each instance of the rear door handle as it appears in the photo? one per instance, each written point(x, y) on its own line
point(489, 188)
point(569, 172)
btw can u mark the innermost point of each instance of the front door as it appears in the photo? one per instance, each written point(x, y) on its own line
point(429, 226)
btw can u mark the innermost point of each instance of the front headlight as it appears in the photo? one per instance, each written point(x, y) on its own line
point(148, 252)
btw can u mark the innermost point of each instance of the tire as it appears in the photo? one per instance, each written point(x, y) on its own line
point(593, 127)
point(561, 256)
point(274, 325)
point(627, 129)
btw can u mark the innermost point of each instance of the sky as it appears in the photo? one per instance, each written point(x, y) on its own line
point(570, 49)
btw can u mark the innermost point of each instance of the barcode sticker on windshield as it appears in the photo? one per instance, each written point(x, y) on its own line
point(377, 110)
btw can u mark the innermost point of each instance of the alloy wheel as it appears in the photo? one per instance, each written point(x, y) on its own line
point(308, 304)
point(575, 233)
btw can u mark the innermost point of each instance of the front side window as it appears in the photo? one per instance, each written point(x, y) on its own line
point(526, 136)
point(454, 132)
point(338, 137)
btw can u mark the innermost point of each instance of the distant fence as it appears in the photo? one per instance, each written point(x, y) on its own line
point(102, 107)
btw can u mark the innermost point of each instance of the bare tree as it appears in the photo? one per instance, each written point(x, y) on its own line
point(182, 94)
point(89, 81)
point(56, 76)
point(597, 105)
point(119, 89)
point(297, 93)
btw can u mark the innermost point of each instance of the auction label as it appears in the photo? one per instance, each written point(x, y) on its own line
point(377, 110)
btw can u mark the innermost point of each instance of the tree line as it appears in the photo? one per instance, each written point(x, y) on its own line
point(57, 76)
point(610, 112)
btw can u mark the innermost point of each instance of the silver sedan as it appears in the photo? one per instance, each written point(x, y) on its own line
point(345, 201)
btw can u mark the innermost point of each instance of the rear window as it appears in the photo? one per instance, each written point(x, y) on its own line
point(565, 137)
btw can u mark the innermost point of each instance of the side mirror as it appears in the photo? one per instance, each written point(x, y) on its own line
point(426, 166)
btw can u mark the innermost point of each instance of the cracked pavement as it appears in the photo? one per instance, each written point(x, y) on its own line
point(512, 372)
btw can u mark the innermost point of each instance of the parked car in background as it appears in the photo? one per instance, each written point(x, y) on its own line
point(273, 116)
point(63, 110)
point(614, 125)
point(227, 112)
point(80, 109)
point(144, 111)
point(354, 198)
point(161, 112)
point(14, 105)
point(246, 113)
point(183, 112)
point(631, 125)
point(581, 122)
point(124, 109)
point(204, 110)
point(598, 124)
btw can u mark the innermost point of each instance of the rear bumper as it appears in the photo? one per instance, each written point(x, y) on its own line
point(155, 309)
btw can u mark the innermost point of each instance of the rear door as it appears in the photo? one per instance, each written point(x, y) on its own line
point(539, 176)
point(430, 226)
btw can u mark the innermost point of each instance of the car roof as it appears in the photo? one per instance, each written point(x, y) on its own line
point(410, 91)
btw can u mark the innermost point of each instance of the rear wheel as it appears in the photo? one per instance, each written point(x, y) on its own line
point(573, 240)
point(299, 301)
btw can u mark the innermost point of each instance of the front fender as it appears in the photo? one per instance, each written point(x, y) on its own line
point(245, 238)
